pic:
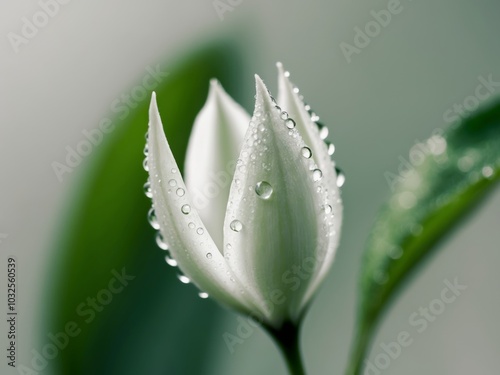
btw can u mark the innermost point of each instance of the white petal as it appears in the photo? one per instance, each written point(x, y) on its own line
point(214, 146)
point(289, 100)
point(280, 244)
point(188, 240)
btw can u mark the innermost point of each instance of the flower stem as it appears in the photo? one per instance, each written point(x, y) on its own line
point(288, 340)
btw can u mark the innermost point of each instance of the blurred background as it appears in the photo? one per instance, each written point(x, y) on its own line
point(70, 231)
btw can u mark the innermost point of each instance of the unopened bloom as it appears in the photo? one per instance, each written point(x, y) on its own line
point(256, 223)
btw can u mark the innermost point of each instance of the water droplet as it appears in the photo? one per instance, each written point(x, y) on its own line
point(172, 183)
point(191, 225)
point(183, 279)
point(416, 229)
point(465, 163)
point(229, 246)
point(340, 177)
point(330, 148)
point(487, 171)
point(173, 170)
point(145, 165)
point(290, 124)
point(284, 115)
point(306, 152)
point(161, 242)
point(146, 135)
point(396, 253)
point(200, 231)
point(170, 261)
point(381, 277)
point(407, 200)
point(209, 255)
point(327, 208)
point(317, 175)
point(287, 74)
point(180, 192)
point(236, 226)
point(307, 107)
point(296, 90)
point(186, 209)
point(147, 190)
point(314, 117)
point(264, 190)
point(146, 150)
point(203, 295)
point(323, 130)
point(152, 219)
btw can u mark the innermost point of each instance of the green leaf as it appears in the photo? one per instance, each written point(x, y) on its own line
point(456, 170)
point(155, 318)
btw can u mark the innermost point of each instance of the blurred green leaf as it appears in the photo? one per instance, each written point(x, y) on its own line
point(455, 172)
point(148, 326)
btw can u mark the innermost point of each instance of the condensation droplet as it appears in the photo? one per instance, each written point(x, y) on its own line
point(340, 177)
point(145, 165)
point(180, 192)
point(381, 277)
point(186, 209)
point(290, 124)
point(236, 226)
point(200, 231)
point(317, 175)
point(203, 295)
point(264, 190)
point(284, 115)
point(152, 219)
point(287, 74)
point(183, 279)
point(147, 190)
point(306, 152)
point(327, 208)
point(191, 225)
point(173, 170)
point(314, 117)
point(146, 150)
point(330, 148)
point(172, 183)
point(487, 171)
point(161, 242)
point(323, 130)
point(396, 253)
point(170, 261)
point(407, 200)
point(209, 255)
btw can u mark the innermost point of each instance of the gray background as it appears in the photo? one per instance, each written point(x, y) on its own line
point(393, 93)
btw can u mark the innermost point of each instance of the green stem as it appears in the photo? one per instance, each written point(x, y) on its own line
point(360, 349)
point(288, 340)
